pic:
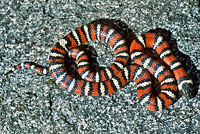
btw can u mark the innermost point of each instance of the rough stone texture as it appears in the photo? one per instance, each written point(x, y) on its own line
point(30, 103)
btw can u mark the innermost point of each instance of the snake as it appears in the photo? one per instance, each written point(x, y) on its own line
point(109, 79)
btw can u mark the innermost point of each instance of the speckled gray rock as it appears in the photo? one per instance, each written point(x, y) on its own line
point(30, 103)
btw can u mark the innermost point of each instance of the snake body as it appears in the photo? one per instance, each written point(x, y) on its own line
point(108, 80)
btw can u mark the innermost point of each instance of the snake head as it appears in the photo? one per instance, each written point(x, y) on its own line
point(188, 89)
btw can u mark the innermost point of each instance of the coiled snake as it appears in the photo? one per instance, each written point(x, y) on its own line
point(108, 80)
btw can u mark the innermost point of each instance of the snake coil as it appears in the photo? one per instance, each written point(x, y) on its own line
point(108, 80)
